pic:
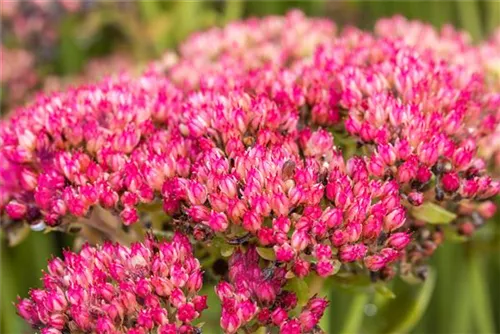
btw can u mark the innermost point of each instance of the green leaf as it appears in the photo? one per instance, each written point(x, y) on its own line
point(226, 250)
point(433, 214)
point(336, 266)
point(383, 290)
point(301, 289)
point(266, 253)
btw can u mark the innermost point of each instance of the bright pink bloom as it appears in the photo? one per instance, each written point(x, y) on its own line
point(71, 283)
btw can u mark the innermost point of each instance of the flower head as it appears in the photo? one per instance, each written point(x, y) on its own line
point(116, 289)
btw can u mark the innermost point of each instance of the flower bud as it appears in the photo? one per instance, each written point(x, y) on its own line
point(394, 220)
point(399, 240)
point(450, 182)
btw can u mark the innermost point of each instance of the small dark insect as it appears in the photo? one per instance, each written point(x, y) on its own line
point(439, 194)
point(382, 238)
point(148, 224)
point(239, 240)
point(438, 168)
point(268, 272)
point(422, 272)
point(198, 330)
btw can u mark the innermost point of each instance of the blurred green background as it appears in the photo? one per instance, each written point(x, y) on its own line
point(80, 40)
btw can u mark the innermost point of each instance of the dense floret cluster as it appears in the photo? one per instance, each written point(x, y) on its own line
point(321, 148)
point(256, 297)
point(150, 286)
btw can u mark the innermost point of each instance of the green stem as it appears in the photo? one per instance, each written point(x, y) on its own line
point(479, 292)
point(355, 314)
point(460, 320)
point(493, 15)
point(444, 288)
point(233, 10)
point(440, 12)
point(468, 13)
point(9, 321)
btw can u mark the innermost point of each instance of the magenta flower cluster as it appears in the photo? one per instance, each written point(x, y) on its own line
point(151, 286)
point(237, 138)
point(255, 297)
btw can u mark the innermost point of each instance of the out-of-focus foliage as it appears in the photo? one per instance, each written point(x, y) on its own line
point(49, 44)
point(47, 39)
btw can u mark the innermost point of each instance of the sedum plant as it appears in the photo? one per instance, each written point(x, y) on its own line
point(298, 152)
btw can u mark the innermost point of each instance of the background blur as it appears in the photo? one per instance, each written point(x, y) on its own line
point(50, 44)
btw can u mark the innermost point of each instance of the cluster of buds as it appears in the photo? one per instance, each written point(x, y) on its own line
point(245, 145)
point(456, 49)
point(256, 297)
point(94, 145)
point(291, 189)
point(235, 138)
point(149, 287)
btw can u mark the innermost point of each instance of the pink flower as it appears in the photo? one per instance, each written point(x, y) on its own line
point(71, 283)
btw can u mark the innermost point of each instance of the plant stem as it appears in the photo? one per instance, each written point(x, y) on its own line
point(355, 314)
point(483, 317)
point(468, 13)
point(461, 300)
point(493, 15)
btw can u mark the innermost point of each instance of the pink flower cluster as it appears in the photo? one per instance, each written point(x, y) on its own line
point(457, 50)
point(148, 287)
point(93, 145)
point(256, 297)
point(246, 143)
point(236, 138)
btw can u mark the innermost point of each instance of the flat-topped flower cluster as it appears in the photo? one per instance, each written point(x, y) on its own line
point(236, 137)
